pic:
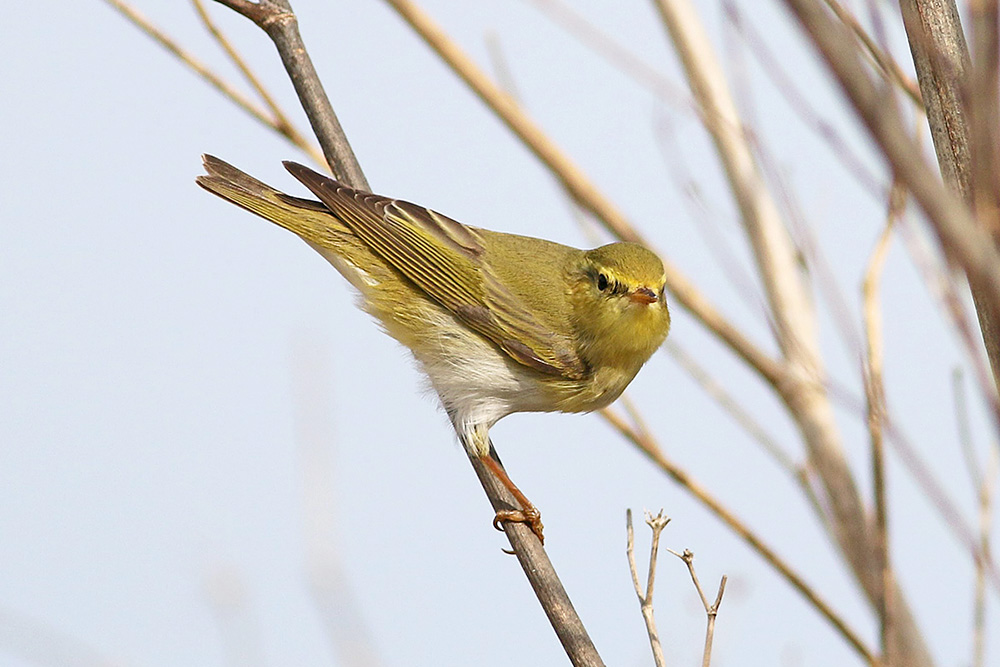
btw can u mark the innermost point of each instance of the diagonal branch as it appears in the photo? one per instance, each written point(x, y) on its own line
point(962, 114)
point(213, 79)
point(280, 121)
point(277, 19)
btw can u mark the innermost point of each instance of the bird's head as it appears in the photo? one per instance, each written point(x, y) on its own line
point(620, 312)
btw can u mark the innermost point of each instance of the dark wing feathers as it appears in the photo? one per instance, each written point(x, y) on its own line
point(442, 257)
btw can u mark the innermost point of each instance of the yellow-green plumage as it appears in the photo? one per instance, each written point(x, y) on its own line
point(500, 323)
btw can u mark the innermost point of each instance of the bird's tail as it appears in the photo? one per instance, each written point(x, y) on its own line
point(309, 219)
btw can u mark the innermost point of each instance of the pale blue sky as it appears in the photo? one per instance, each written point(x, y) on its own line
point(192, 412)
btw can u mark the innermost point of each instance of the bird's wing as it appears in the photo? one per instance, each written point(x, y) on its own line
point(442, 257)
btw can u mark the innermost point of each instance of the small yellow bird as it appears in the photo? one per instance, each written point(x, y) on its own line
point(499, 323)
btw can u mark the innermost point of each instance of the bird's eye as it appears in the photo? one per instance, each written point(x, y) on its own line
point(602, 282)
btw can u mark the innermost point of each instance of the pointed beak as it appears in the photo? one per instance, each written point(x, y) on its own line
point(643, 295)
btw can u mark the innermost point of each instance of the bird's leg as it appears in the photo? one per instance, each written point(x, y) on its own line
point(528, 514)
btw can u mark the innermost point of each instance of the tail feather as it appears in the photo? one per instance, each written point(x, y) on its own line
point(309, 219)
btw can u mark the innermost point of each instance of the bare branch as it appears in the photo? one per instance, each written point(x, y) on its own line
point(652, 450)
point(886, 63)
point(275, 17)
point(965, 136)
point(279, 120)
point(957, 233)
point(875, 394)
point(800, 103)
point(711, 610)
point(615, 54)
point(983, 484)
point(213, 79)
point(656, 524)
point(987, 491)
point(718, 392)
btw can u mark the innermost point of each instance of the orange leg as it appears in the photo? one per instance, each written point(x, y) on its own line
point(528, 514)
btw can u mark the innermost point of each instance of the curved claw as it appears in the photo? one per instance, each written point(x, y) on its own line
point(530, 516)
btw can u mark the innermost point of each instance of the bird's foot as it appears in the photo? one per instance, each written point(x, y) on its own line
point(530, 516)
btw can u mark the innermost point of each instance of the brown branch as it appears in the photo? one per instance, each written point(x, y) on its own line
point(656, 525)
point(800, 102)
point(986, 494)
point(279, 120)
point(983, 484)
point(875, 395)
point(965, 143)
point(541, 575)
point(615, 54)
point(720, 394)
point(886, 63)
point(711, 610)
point(652, 450)
point(213, 79)
point(276, 18)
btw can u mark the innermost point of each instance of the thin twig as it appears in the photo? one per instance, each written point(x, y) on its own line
point(236, 97)
point(981, 93)
point(705, 220)
point(615, 54)
point(875, 395)
point(951, 220)
point(652, 450)
point(279, 120)
point(711, 610)
point(983, 484)
point(718, 392)
point(886, 63)
point(276, 18)
point(987, 492)
point(942, 288)
point(656, 525)
point(800, 102)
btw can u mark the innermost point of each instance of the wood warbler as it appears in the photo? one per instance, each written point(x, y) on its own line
point(499, 323)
